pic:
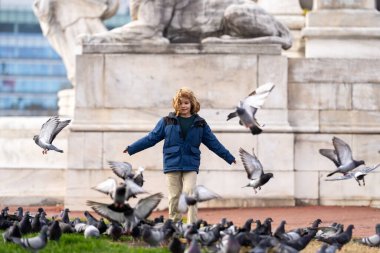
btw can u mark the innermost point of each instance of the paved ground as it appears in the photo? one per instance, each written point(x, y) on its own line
point(363, 218)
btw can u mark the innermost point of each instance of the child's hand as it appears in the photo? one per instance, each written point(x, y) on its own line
point(234, 161)
point(125, 150)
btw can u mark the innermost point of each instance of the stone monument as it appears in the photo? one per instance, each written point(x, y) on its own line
point(126, 79)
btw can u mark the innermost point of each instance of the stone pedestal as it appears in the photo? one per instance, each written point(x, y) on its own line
point(123, 90)
point(342, 29)
point(289, 13)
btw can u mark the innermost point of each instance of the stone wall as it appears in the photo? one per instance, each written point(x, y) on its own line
point(118, 101)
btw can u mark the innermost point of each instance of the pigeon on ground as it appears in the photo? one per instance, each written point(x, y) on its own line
point(91, 232)
point(48, 132)
point(341, 238)
point(54, 231)
point(248, 107)
point(176, 246)
point(25, 225)
point(65, 216)
point(33, 244)
point(36, 224)
point(229, 244)
point(254, 169)
point(341, 155)
point(123, 213)
point(199, 194)
point(372, 241)
point(358, 174)
point(12, 231)
point(115, 231)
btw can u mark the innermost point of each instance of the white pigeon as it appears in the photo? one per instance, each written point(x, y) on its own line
point(248, 107)
point(358, 174)
point(49, 130)
point(199, 194)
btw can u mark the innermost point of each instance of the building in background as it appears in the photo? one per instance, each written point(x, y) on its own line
point(31, 72)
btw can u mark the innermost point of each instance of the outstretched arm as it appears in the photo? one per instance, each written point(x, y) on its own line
point(210, 140)
point(155, 136)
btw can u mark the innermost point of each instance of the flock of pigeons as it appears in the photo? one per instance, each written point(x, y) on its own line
point(223, 237)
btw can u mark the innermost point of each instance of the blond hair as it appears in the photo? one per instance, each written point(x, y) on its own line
point(185, 92)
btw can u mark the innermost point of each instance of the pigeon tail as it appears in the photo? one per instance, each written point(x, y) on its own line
point(332, 173)
point(255, 130)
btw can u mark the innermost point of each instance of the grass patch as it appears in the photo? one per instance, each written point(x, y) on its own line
point(76, 243)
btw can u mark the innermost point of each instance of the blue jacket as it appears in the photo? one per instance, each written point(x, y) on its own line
point(181, 154)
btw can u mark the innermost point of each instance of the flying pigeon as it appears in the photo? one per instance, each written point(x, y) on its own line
point(123, 213)
point(254, 169)
point(48, 132)
point(248, 107)
point(199, 194)
point(341, 155)
point(357, 175)
point(124, 171)
point(109, 187)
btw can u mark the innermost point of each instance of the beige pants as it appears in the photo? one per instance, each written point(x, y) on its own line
point(177, 182)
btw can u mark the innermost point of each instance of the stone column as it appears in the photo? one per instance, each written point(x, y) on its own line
point(288, 12)
point(342, 29)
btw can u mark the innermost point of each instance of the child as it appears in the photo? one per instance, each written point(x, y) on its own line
point(183, 131)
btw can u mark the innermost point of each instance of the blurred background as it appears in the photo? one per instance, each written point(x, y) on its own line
point(31, 72)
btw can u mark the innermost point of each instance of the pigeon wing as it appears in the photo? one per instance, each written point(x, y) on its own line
point(48, 128)
point(330, 154)
point(251, 164)
point(182, 205)
point(204, 194)
point(61, 125)
point(108, 186)
point(145, 206)
point(257, 98)
point(343, 150)
point(132, 188)
point(343, 177)
point(104, 211)
point(121, 169)
point(367, 170)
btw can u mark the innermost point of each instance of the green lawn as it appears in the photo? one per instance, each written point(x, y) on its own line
point(76, 243)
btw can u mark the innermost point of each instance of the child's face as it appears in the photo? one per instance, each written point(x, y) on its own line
point(184, 107)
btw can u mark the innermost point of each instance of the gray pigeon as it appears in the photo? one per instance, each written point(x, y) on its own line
point(372, 241)
point(33, 244)
point(341, 156)
point(55, 231)
point(254, 169)
point(358, 174)
point(124, 171)
point(110, 185)
point(12, 231)
point(199, 194)
point(123, 213)
point(248, 107)
point(48, 132)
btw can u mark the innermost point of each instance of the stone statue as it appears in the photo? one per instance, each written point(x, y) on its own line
point(196, 21)
point(62, 21)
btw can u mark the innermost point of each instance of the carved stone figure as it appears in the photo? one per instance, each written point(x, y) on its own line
point(62, 21)
point(194, 21)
